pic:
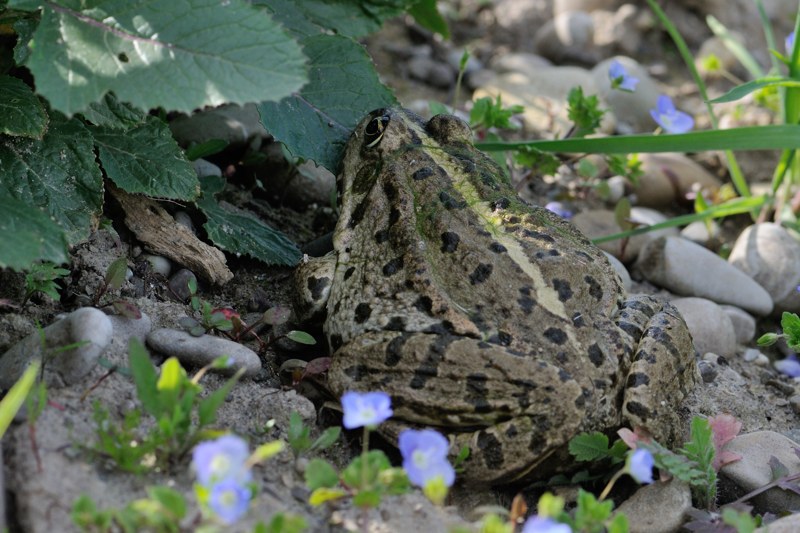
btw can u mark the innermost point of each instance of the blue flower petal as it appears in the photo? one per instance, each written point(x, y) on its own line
point(640, 465)
point(425, 456)
point(220, 459)
point(539, 524)
point(365, 409)
point(229, 500)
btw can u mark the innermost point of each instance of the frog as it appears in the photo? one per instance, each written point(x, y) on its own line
point(491, 320)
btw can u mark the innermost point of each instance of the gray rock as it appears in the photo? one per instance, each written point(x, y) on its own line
point(754, 471)
point(568, 36)
point(130, 328)
point(621, 270)
point(601, 222)
point(235, 124)
point(669, 177)
point(710, 326)
point(563, 6)
point(310, 185)
point(698, 231)
point(659, 507)
point(743, 323)
point(179, 284)
point(787, 524)
point(86, 325)
point(393, 515)
point(520, 62)
point(686, 268)
point(160, 264)
point(770, 254)
point(200, 351)
point(708, 371)
point(632, 110)
point(183, 218)
point(205, 168)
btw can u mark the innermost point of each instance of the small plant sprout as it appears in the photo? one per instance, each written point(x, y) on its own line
point(790, 323)
point(425, 462)
point(669, 118)
point(620, 79)
point(41, 278)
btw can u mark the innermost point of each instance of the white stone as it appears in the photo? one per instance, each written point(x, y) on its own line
point(743, 323)
point(621, 270)
point(200, 351)
point(669, 177)
point(87, 325)
point(770, 255)
point(687, 268)
point(709, 325)
point(601, 222)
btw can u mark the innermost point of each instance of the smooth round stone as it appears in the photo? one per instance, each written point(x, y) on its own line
point(658, 507)
point(686, 268)
point(709, 325)
point(160, 264)
point(232, 123)
point(632, 110)
point(601, 222)
point(769, 254)
point(669, 177)
point(621, 270)
point(520, 62)
point(86, 325)
point(205, 168)
point(708, 371)
point(569, 35)
point(200, 351)
point(184, 219)
point(179, 284)
point(698, 232)
point(753, 470)
point(743, 323)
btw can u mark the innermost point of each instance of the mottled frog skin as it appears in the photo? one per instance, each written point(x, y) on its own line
point(493, 321)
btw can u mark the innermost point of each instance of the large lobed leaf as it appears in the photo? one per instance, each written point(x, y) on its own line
point(27, 234)
point(58, 173)
point(160, 54)
point(21, 113)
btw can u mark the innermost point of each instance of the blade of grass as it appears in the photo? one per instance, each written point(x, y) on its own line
point(733, 166)
point(735, 47)
point(744, 89)
point(767, 27)
point(746, 138)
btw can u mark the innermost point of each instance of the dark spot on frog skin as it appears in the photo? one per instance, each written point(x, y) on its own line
point(497, 248)
point(362, 313)
point(562, 287)
point(631, 329)
point(422, 173)
point(396, 323)
point(317, 286)
point(595, 289)
point(514, 219)
point(512, 431)
point(364, 179)
point(525, 301)
point(356, 372)
point(349, 272)
point(489, 180)
point(538, 235)
point(381, 236)
point(564, 376)
point(500, 203)
point(561, 357)
point(336, 342)
point(450, 241)
point(492, 450)
point(476, 393)
point(449, 202)
point(394, 216)
point(646, 356)
point(467, 163)
point(445, 327)
point(585, 256)
point(502, 338)
point(638, 409)
point(390, 190)
point(555, 335)
point(424, 304)
point(337, 307)
point(358, 213)
point(636, 379)
point(596, 355)
point(393, 266)
point(577, 320)
point(481, 273)
point(394, 350)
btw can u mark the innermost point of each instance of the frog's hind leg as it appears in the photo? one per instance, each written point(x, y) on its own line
point(663, 368)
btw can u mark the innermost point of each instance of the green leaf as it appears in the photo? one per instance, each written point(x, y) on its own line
point(240, 232)
point(21, 113)
point(115, 275)
point(589, 446)
point(175, 55)
point(298, 433)
point(267, 450)
point(282, 523)
point(591, 512)
point(207, 410)
point(744, 89)
point(618, 524)
point(12, 401)
point(301, 336)
point(376, 461)
point(790, 323)
point(316, 122)
point(768, 339)
point(146, 159)
point(145, 376)
point(742, 521)
point(427, 16)
point(28, 234)
point(111, 113)
point(746, 138)
point(170, 499)
point(328, 437)
point(58, 173)
point(320, 473)
point(210, 147)
point(367, 498)
point(324, 494)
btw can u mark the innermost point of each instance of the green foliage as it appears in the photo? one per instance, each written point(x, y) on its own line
point(487, 113)
point(173, 400)
point(743, 521)
point(700, 449)
point(541, 163)
point(320, 474)
point(162, 511)
point(42, 277)
point(299, 436)
point(282, 523)
point(15, 397)
point(584, 112)
point(790, 323)
point(594, 447)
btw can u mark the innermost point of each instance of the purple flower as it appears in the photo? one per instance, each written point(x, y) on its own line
point(789, 366)
point(789, 43)
point(640, 465)
point(620, 79)
point(559, 209)
point(229, 500)
point(365, 409)
point(669, 118)
point(540, 524)
point(221, 459)
point(425, 456)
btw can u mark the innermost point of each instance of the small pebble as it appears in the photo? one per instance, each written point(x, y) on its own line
point(160, 264)
point(205, 168)
point(658, 507)
point(708, 371)
point(87, 324)
point(200, 351)
point(183, 218)
point(179, 284)
point(794, 401)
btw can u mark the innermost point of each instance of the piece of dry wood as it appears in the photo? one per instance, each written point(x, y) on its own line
point(156, 228)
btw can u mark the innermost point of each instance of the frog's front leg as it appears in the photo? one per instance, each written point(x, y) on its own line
point(511, 410)
point(663, 368)
point(313, 279)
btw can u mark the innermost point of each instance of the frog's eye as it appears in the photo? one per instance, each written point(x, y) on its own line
point(373, 133)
